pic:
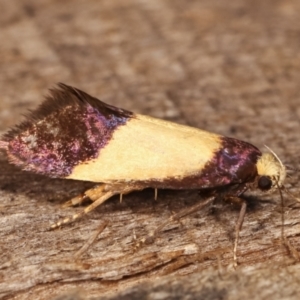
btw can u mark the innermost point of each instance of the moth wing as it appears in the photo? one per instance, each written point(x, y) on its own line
point(74, 135)
point(147, 149)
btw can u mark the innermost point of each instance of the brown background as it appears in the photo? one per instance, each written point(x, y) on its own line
point(231, 67)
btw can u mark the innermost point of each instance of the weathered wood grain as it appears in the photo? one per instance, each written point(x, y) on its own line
point(227, 67)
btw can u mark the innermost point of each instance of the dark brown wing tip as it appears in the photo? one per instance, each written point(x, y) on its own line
point(59, 97)
point(85, 98)
point(68, 128)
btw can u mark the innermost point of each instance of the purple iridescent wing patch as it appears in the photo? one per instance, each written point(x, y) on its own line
point(233, 163)
point(70, 127)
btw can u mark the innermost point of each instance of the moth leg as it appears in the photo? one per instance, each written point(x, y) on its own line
point(88, 194)
point(239, 224)
point(238, 228)
point(77, 200)
point(187, 211)
point(98, 195)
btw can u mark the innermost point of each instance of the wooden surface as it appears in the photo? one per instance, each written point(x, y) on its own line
point(231, 67)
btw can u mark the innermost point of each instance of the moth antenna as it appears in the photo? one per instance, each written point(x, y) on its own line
point(283, 188)
point(275, 156)
point(290, 168)
point(282, 211)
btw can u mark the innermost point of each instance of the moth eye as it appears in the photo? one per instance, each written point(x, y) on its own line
point(264, 183)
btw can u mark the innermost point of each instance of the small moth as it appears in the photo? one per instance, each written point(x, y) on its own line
point(73, 135)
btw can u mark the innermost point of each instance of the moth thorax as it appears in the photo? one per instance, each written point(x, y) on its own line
point(271, 172)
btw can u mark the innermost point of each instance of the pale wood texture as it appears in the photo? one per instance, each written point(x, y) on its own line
point(230, 67)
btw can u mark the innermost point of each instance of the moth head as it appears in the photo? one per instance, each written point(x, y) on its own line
point(271, 172)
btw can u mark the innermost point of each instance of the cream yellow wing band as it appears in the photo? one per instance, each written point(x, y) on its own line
point(147, 148)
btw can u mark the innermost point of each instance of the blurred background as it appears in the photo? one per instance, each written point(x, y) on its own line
point(231, 67)
point(218, 65)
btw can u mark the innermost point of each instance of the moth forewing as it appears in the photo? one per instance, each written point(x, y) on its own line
point(73, 135)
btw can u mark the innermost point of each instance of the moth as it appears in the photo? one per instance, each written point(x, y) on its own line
point(73, 135)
